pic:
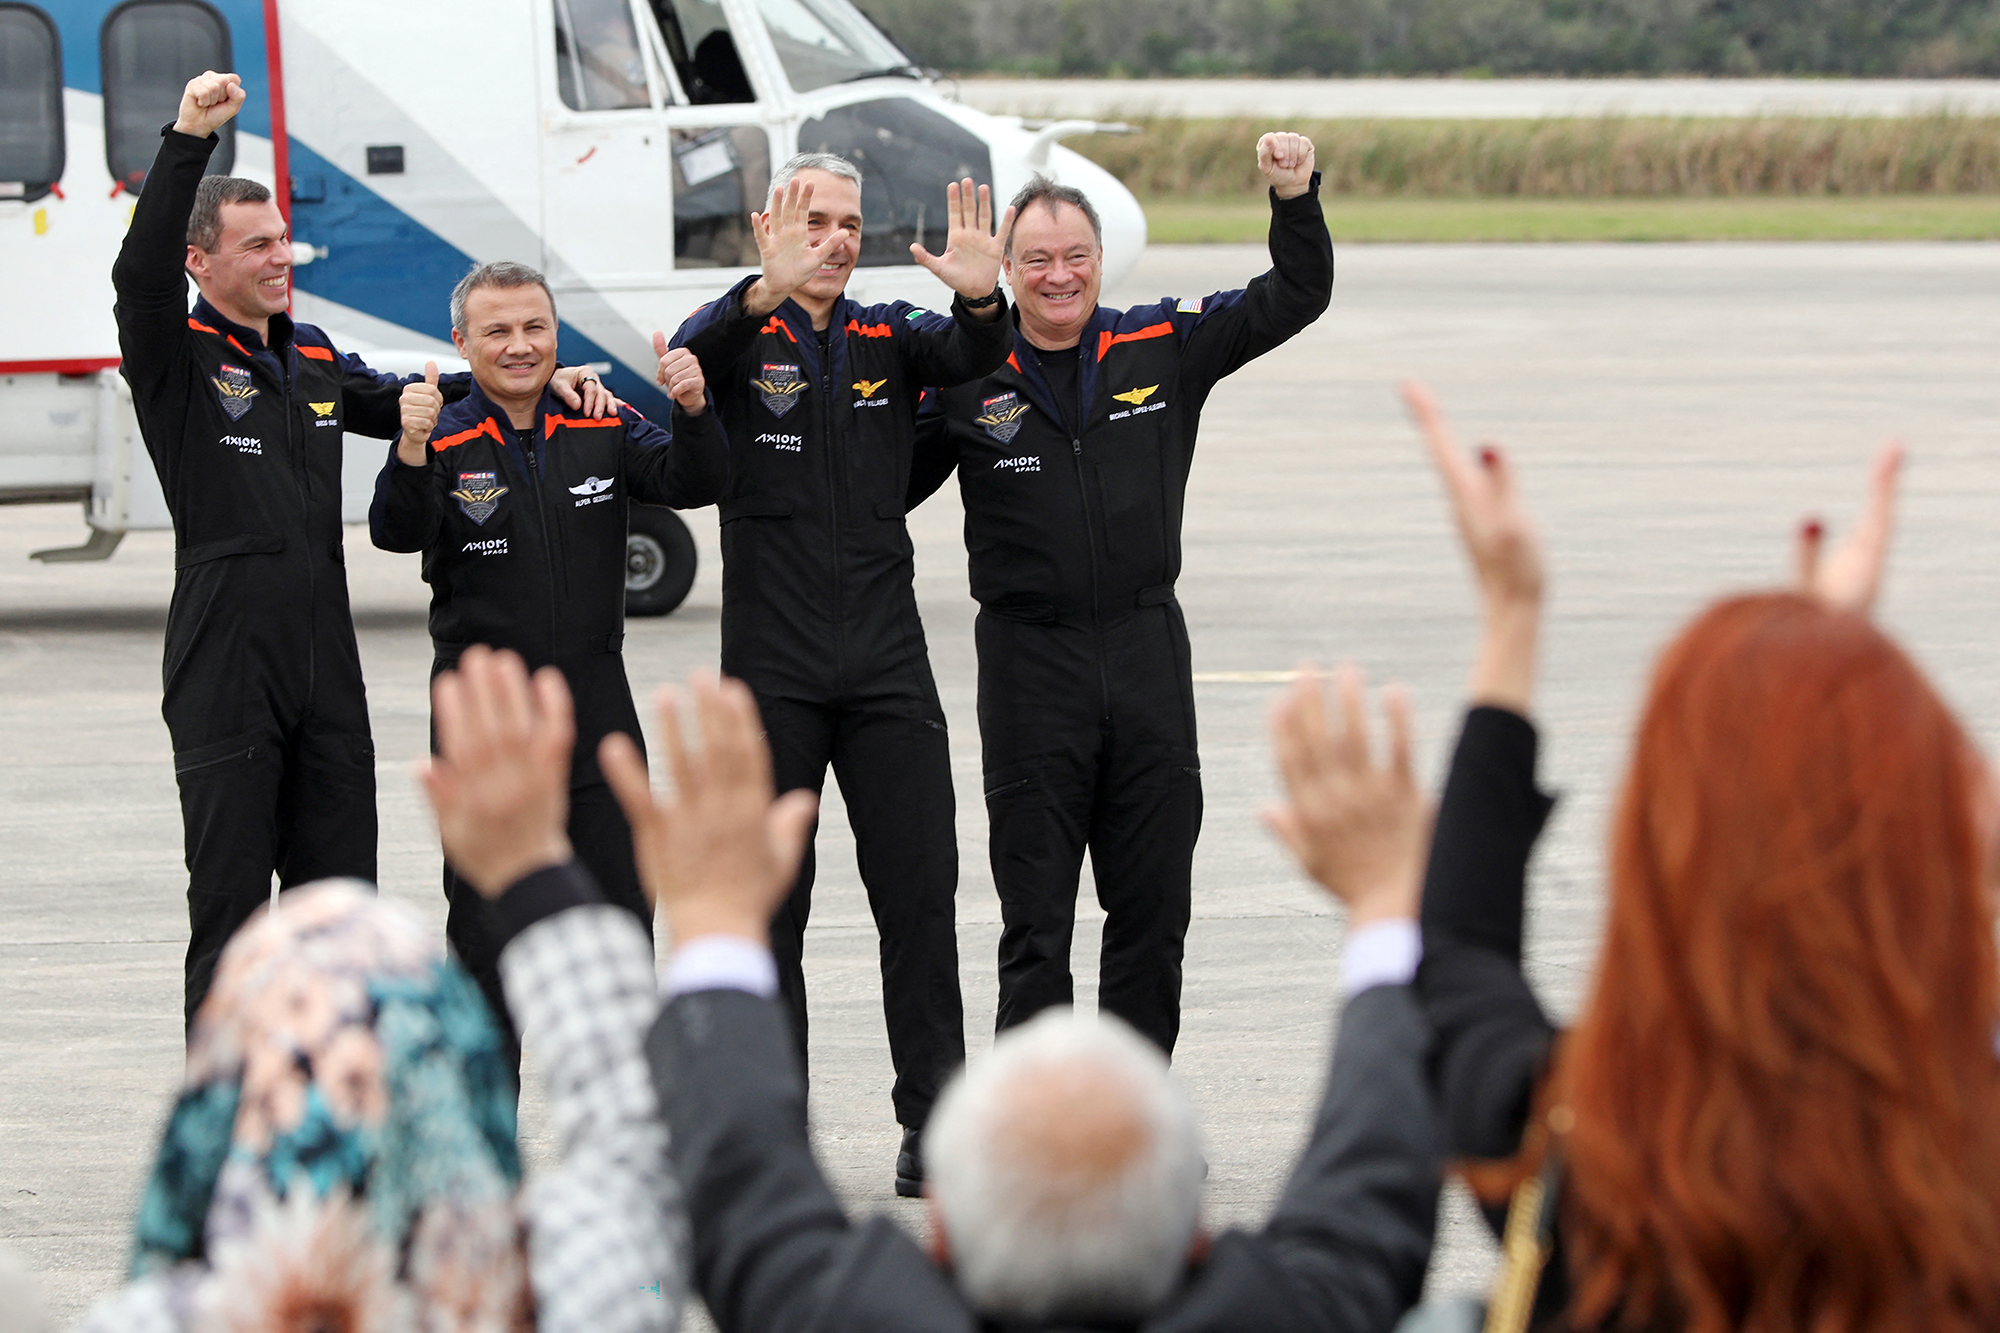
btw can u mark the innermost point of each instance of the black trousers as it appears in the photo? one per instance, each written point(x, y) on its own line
point(597, 831)
point(1088, 741)
point(892, 758)
point(294, 795)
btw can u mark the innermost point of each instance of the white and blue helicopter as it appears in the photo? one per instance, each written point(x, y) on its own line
point(618, 145)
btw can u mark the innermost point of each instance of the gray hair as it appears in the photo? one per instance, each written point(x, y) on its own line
point(205, 221)
point(831, 163)
point(1042, 190)
point(498, 273)
point(1038, 1230)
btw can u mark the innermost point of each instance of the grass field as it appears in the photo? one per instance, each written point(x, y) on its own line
point(1932, 217)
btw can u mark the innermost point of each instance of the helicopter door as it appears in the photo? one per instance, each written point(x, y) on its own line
point(718, 132)
point(606, 193)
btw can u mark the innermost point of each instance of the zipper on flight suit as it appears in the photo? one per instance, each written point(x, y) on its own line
point(832, 489)
point(1075, 425)
point(527, 439)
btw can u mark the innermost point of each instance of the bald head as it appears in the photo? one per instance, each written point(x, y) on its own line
point(1066, 1171)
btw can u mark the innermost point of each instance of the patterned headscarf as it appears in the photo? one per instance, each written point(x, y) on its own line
point(342, 1154)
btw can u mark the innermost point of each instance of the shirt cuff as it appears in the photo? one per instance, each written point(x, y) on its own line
point(1382, 953)
point(720, 962)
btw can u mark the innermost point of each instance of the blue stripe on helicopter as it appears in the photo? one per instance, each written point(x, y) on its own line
point(384, 263)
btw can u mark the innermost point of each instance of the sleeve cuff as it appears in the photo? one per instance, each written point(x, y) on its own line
point(540, 895)
point(720, 962)
point(1311, 193)
point(1383, 953)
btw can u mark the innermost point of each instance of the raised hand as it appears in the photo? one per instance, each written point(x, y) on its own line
point(785, 246)
point(208, 102)
point(680, 375)
point(970, 264)
point(1505, 551)
point(421, 402)
point(500, 779)
point(581, 390)
point(1286, 161)
point(717, 854)
point(1356, 827)
point(1851, 578)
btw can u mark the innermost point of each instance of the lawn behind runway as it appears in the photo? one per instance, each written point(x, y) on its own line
point(1598, 178)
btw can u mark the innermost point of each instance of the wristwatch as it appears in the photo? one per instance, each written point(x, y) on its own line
point(980, 302)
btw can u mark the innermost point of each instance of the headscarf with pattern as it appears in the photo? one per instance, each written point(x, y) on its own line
point(342, 1154)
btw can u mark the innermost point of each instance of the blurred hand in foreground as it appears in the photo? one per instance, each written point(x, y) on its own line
point(1357, 827)
point(499, 782)
point(717, 853)
point(1851, 577)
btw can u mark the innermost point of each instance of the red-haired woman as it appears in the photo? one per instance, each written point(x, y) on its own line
point(1779, 1109)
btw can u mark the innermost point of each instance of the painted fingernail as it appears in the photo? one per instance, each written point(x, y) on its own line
point(1488, 455)
point(1813, 530)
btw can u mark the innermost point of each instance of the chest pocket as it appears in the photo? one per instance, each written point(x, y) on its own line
point(1127, 456)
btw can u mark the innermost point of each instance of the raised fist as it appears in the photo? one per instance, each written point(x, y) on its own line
point(1286, 160)
point(421, 403)
point(208, 102)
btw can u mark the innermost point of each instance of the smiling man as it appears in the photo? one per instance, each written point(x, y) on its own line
point(520, 511)
point(242, 411)
point(819, 394)
point(1073, 463)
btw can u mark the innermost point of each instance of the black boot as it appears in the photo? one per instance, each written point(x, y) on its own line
point(910, 1165)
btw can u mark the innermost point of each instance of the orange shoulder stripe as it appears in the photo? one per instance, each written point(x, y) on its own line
point(868, 330)
point(486, 427)
point(316, 353)
point(776, 325)
point(200, 327)
point(1012, 362)
point(549, 424)
point(1106, 341)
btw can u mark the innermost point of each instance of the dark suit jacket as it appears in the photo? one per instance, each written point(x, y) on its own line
point(1492, 1040)
point(1344, 1251)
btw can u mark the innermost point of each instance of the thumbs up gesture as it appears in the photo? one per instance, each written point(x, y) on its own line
point(680, 375)
point(422, 401)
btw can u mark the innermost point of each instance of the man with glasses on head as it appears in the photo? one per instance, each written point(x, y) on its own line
point(1073, 463)
point(818, 394)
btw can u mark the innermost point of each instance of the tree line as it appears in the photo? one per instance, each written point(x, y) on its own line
point(1209, 38)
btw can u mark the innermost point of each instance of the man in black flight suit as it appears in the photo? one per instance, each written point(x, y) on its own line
point(819, 617)
point(1073, 463)
point(520, 511)
point(242, 411)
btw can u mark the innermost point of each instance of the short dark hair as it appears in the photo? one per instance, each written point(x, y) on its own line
point(205, 222)
point(1042, 190)
point(498, 273)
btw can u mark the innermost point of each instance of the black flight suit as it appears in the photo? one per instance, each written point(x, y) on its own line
point(263, 694)
point(1073, 504)
point(820, 619)
point(523, 535)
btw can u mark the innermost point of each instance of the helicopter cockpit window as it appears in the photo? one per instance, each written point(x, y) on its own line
point(907, 153)
point(598, 65)
point(822, 42)
point(31, 108)
point(703, 51)
point(151, 48)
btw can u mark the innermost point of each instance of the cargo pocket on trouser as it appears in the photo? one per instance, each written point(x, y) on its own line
point(1035, 846)
point(326, 819)
point(229, 794)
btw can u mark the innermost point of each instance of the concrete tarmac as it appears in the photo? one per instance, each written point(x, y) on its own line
point(1673, 410)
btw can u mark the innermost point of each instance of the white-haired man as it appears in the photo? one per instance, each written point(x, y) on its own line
point(1066, 1172)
